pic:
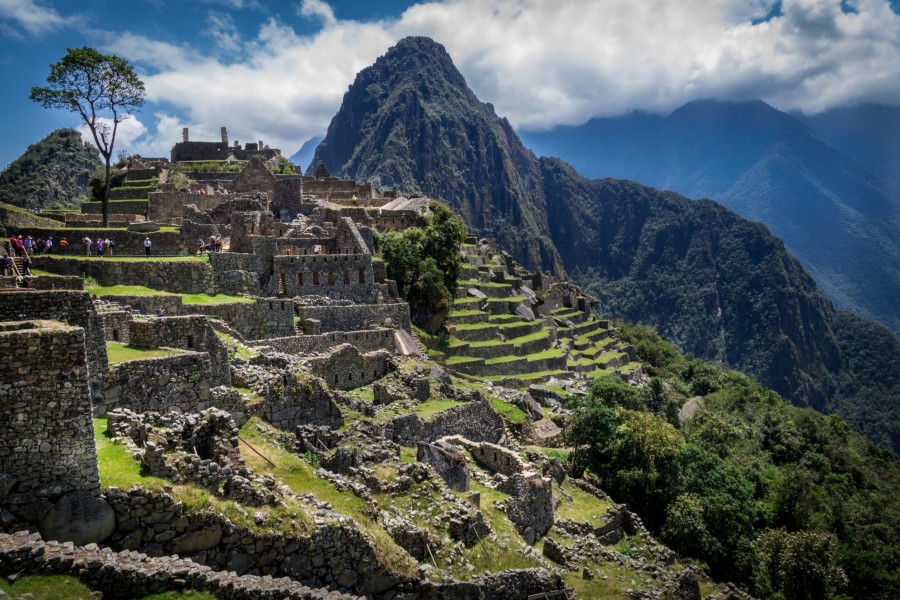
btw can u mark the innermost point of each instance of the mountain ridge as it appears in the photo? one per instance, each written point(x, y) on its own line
point(767, 166)
point(651, 256)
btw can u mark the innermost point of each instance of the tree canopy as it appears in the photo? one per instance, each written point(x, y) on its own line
point(103, 89)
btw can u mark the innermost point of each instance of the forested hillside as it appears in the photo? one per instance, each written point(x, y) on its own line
point(51, 173)
point(786, 501)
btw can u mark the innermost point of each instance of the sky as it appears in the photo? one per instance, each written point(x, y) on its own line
point(276, 70)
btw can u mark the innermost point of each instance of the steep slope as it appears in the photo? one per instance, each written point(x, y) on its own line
point(51, 173)
point(867, 132)
point(719, 285)
point(411, 111)
point(838, 216)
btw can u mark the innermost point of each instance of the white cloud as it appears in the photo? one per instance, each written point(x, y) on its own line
point(540, 63)
point(318, 9)
point(32, 16)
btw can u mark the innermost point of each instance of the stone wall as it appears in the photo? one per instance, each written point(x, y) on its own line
point(369, 340)
point(357, 316)
point(127, 575)
point(338, 276)
point(344, 367)
point(286, 201)
point(46, 433)
point(161, 384)
point(476, 421)
point(146, 305)
point(192, 333)
point(117, 325)
point(168, 207)
point(185, 277)
point(72, 307)
point(47, 282)
point(128, 243)
point(121, 206)
point(266, 318)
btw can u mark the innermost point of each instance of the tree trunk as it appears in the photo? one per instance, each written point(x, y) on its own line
point(104, 200)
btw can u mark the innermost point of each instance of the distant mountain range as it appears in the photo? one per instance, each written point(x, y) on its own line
point(826, 185)
point(716, 284)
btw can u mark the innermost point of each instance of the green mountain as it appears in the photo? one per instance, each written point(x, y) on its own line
point(410, 122)
point(719, 286)
point(829, 201)
point(51, 173)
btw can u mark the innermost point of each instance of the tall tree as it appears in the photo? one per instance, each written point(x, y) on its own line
point(100, 88)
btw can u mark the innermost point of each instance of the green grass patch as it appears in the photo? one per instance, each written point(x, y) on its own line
point(426, 410)
point(458, 359)
point(119, 352)
point(486, 343)
point(511, 413)
point(466, 313)
point(300, 476)
point(473, 326)
point(537, 335)
point(117, 467)
point(47, 587)
point(215, 299)
point(584, 507)
point(240, 350)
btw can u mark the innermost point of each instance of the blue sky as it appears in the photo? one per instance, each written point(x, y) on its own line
point(276, 70)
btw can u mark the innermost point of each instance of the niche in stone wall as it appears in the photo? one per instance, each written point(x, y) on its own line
point(316, 278)
point(346, 277)
point(330, 277)
point(362, 275)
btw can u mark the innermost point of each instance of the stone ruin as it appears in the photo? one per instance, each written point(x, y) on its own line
point(321, 321)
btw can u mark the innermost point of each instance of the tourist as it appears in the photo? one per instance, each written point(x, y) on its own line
point(109, 246)
point(29, 245)
point(159, 311)
point(20, 246)
point(26, 265)
point(88, 242)
point(38, 245)
point(5, 265)
point(147, 245)
point(64, 246)
point(200, 246)
point(100, 244)
point(218, 243)
point(48, 245)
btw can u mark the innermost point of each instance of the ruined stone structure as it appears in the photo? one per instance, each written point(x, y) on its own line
point(187, 150)
point(45, 415)
point(72, 307)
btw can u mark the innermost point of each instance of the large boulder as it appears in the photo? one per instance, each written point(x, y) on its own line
point(80, 518)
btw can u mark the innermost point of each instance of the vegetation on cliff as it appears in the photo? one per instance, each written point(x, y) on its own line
point(787, 501)
point(51, 173)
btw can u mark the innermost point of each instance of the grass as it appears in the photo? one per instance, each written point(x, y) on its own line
point(458, 359)
point(584, 507)
point(117, 467)
point(140, 290)
point(466, 313)
point(537, 335)
point(511, 413)
point(241, 351)
point(51, 587)
point(119, 352)
point(428, 409)
point(300, 476)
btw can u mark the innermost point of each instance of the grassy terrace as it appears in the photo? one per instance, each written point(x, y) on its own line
point(139, 290)
point(466, 313)
point(119, 352)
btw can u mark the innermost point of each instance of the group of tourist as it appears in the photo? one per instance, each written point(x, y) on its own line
point(103, 246)
point(214, 244)
point(202, 192)
point(27, 246)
